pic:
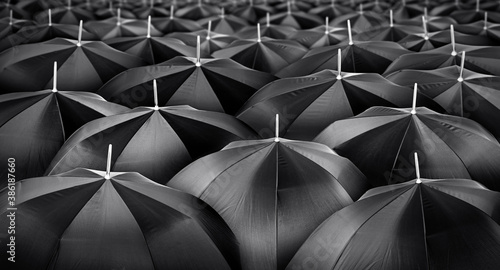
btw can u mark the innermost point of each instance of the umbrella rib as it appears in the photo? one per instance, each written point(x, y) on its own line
point(232, 165)
point(423, 225)
point(399, 149)
point(364, 222)
point(449, 147)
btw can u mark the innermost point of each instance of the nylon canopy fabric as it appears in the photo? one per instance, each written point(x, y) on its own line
point(272, 194)
point(381, 141)
point(220, 85)
point(362, 56)
point(81, 220)
point(34, 125)
point(81, 68)
point(308, 104)
point(155, 143)
point(475, 96)
point(410, 226)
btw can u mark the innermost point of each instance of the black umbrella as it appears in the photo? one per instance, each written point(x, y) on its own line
point(482, 59)
point(9, 25)
point(308, 104)
point(44, 32)
point(154, 141)
point(197, 11)
point(361, 20)
point(272, 193)
point(209, 84)
point(83, 65)
point(263, 53)
point(384, 32)
point(460, 91)
point(151, 49)
point(359, 56)
point(333, 10)
point(66, 15)
point(422, 224)
point(86, 219)
point(295, 19)
point(320, 36)
point(252, 12)
point(266, 30)
point(224, 24)
point(119, 27)
point(174, 24)
point(34, 125)
point(381, 140)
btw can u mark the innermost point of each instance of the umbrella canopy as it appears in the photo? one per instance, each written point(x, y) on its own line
point(381, 140)
point(10, 25)
point(408, 226)
point(309, 104)
point(264, 54)
point(65, 15)
point(209, 84)
point(173, 24)
point(156, 142)
point(460, 91)
point(209, 41)
point(272, 193)
point(197, 11)
point(266, 30)
point(86, 219)
point(152, 50)
point(252, 12)
point(44, 32)
point(296, 19)
point(360, 20)
point(333, 10)
point(83, 65)
point(119, 27)
point(427, 41)
point(387, 32)
point(34, 125)
point(224, 24)
point(359, 56)
point(320, 36)
point(482, 59)
point(434, 23)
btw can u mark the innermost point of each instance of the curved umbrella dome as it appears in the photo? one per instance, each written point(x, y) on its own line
point(308, 104)
point(220, 85)
point(381, 140)
point(155, 143)
point(410, 226)
point(34, 125)
point(82, 220)
point(84, 67)
point(272, 193)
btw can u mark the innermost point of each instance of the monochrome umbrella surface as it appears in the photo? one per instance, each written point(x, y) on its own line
point(154, 142)
point(308, 104)
point(460, 91)
point(83, 65)
point(215, 84)
point(34, 125)
point(86, 219)
point(410, 226)
point(272, 193)
point(381, 140)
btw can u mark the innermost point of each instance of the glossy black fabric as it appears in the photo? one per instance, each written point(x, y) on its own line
point(442, 57)
point(268, 55)
point(80, 220)
point(80, 68)
point(156, 144)
point(362, 56)
point(34, 125)
point(381, 142)
point(220, 85)
point(272, 194)
point(476, 97)
point(438, 224)
point(308, 104)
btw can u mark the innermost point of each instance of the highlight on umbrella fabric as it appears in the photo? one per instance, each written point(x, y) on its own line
point(85, 219)
point(272, 193)
point(409, 225)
